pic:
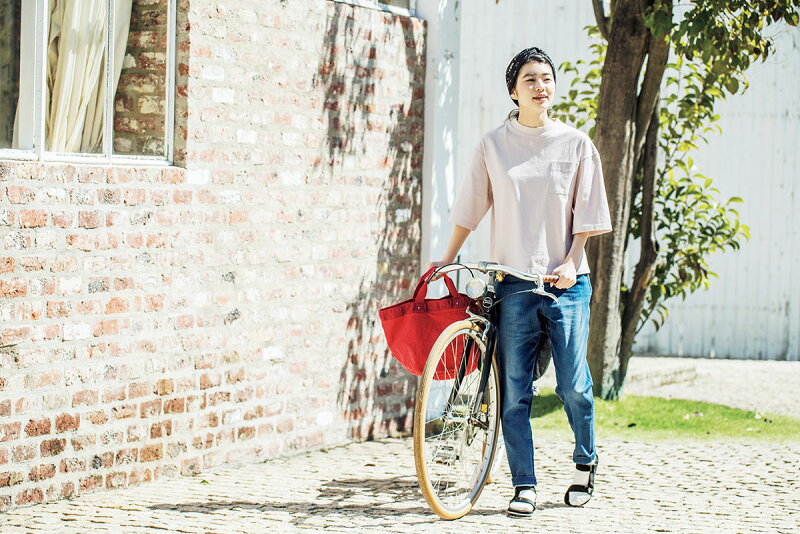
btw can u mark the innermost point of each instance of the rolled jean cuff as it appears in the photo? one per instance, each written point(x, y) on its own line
point(584, 460)
point(523, 481)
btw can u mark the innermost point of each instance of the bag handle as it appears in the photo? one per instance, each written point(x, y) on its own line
point(422, 288)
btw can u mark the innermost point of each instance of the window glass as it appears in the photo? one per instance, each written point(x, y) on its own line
point(140, 102)
point(75, 76)
point(10, 20)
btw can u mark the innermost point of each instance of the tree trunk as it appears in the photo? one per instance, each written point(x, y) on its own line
point(615, 138)
point(645, 269)
point(645, 155)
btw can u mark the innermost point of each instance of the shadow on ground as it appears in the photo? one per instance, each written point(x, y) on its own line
point(377, 498)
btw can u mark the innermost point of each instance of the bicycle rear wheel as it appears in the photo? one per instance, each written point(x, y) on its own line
point(455, 425)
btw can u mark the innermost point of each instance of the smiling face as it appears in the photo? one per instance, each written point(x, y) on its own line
point(534, 88)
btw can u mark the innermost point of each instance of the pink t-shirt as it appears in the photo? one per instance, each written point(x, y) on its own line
point(543, 185)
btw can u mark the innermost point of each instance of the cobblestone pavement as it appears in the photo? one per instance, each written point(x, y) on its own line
point(661, 486)
point(371, 487)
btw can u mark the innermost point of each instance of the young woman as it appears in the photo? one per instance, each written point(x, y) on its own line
point(543, 182)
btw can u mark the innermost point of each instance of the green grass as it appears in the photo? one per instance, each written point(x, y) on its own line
point(648, 418)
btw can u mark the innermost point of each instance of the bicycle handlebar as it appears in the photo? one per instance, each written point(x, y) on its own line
point(487, 266)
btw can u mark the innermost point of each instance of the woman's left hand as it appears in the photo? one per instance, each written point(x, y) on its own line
point(566, 275)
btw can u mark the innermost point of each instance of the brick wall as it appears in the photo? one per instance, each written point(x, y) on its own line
point(156, 322)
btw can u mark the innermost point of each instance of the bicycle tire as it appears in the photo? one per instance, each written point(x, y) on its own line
point(453, 456)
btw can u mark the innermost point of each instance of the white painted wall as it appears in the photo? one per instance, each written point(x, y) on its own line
point(755, 158)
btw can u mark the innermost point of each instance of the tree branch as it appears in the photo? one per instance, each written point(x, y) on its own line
point(645, 269)
point(657, 55)
point(601, 18)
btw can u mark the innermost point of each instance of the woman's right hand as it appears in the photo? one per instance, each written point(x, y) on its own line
point(432, 264)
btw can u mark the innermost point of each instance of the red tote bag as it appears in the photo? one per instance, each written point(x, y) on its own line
point(412, 327)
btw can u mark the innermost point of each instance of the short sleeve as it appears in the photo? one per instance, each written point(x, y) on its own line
point(590, 206)
point(474, 194)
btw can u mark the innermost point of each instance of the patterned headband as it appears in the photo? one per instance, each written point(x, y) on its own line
point(529, 54)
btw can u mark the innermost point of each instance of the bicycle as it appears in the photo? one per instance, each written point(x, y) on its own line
point(455, 442)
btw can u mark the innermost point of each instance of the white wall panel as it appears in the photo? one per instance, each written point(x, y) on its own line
point(753, 310)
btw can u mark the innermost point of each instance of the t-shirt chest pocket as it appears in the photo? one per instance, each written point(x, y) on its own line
point(560, 174)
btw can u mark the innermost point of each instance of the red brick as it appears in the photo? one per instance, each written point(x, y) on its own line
point(160, 430)
point(11, 478)
point(67, 490)
point(6, 265)
point(58, 309)
point(164, 386)
point(89, 219)
point(42, 472)
point(108, 327)
point(3, 456)
point(52, 447)
point(116, 480)
point(117, 305)
point(81, 242)
point(33, 218)
point(109, 196)
point(127, 456)
point(191, 466)
point(182, 321)
point(37, 427)
point(247, 432)
point(63, 219)
point(138, 389)
point(13, 336)
point(135, 197)
point(13, 287)
point(9, 431)
point(72, 465)
point(83, 442)
point(139, 475)
point(150, 409)
point(66, 422)
point(205, 361)
point(64, 264)
point(174, 406)
point(87, 397)
point(209, 380)
point(182, 197)
point(124, 412)
point(114, 394)
point(33, 495)
point(23, 453)
point(100, 417)
point(173, 175)
point(19, 195)
point(151, 453)
point(90, 483)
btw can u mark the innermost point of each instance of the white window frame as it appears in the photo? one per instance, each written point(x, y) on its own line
point(33, 46)
point(380, 6)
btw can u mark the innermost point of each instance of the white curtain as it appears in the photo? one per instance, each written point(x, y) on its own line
point(76, 71)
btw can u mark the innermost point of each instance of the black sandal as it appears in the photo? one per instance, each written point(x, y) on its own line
point(522, 500)
point(586, 490)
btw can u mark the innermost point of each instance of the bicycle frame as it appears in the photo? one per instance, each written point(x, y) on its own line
point(486, 320)
point(489, 334)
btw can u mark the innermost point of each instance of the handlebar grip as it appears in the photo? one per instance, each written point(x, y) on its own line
point(550, 278)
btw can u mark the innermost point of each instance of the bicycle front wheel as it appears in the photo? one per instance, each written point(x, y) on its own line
point(456, 424)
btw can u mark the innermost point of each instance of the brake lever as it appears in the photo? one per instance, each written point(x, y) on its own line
point(539, 290)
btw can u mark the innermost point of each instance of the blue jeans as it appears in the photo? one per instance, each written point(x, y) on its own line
point(519, 323)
